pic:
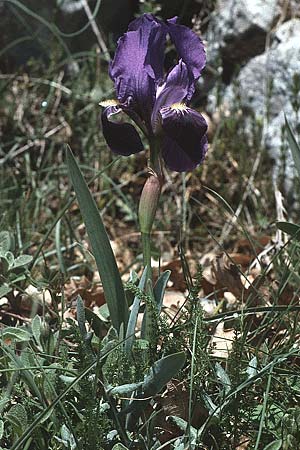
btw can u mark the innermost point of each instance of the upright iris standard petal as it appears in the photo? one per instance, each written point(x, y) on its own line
point(157, 30)
point(132, 82)
point(189, 47)
point(143, 21)
point(122, 138)
point(185, 141)
point(138, 64)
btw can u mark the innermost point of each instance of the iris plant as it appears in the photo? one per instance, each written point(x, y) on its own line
point(157, 103)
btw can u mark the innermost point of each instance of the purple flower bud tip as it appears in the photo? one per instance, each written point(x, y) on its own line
point(157, 103)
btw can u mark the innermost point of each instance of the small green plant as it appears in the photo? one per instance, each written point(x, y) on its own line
point(13, 269)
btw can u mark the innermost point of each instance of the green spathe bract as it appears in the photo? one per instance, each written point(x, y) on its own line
point(105, 260)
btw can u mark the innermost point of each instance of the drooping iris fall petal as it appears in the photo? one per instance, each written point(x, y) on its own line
point(121, 137)
point(185, 141)
point(176, 89)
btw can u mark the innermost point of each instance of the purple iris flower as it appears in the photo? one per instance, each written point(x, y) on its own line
point(157, 103)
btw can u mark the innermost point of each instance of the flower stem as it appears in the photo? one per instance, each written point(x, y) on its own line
point(146, 244)
point(149, 201)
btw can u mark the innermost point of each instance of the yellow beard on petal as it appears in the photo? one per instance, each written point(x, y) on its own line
point(179, 106)
point(110, 102)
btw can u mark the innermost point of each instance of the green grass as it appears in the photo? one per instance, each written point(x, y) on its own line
point(69, 380)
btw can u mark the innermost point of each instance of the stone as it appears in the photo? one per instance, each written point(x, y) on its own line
point(69, 6)
point(238, 30)
point(266, 90)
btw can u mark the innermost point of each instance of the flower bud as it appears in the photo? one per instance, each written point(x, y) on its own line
point(148, 202)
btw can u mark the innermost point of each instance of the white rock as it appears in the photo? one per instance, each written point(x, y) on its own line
point(265, 89)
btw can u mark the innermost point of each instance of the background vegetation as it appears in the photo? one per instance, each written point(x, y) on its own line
point(215, 364)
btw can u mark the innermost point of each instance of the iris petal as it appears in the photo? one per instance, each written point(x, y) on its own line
point(144, 21)
point(156, 30)
point(185, 141)
point(121, 137)
point(178, 87)
point(189, 47)
point(138, 63)
point(156, 104)
point(127, 70)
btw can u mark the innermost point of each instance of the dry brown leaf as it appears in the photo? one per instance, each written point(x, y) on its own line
point(175, 402)
point(91, 293)
point(254, 247)
point(245, 442)
point(288, 297)
point(241, 259)
point(176, 277)
point(221, 342)
point(173, 299)
point(223, 276)
point(227, 275)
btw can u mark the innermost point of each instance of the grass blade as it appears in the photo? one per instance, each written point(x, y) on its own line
point(60, 215)
point(295, 149)
point(102, 251)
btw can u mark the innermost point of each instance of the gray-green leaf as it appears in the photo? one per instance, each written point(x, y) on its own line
point(125, 389)
point(223, 377)
point(36, 329)
point(16, 334)
point(17, 416)
point(160, 288)
point(68, 437)
point(6, 241)
point(289, 228)
point(275, 445)
point(9, 258)
point(134, 314)
point(22, 260)
point(163, 371)
point(1, 429)
point(160, 373)
point(119, 446)
point(4, 290)
point(105, 260)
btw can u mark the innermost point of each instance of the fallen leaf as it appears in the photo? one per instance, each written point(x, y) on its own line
point(222, 276)
point(91, 292)
point(221, 341)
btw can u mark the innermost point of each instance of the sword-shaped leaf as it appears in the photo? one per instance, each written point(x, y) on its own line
point(102, 251)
